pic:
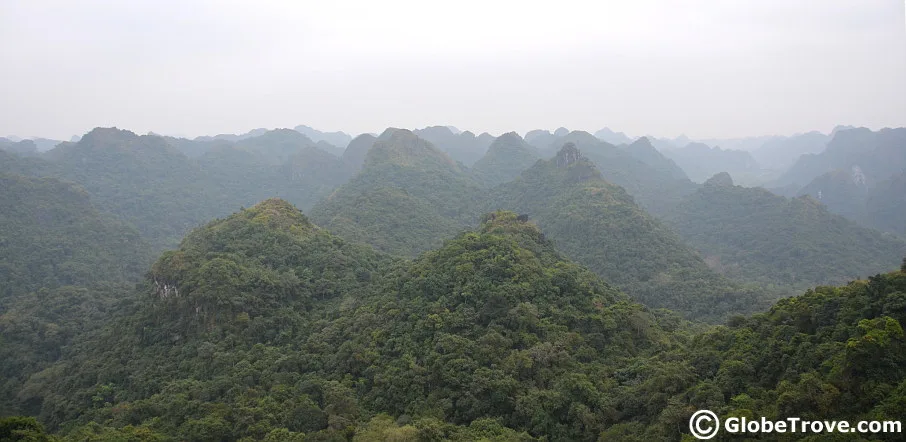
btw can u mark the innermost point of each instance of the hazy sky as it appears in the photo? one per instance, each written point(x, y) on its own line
point(715, 68)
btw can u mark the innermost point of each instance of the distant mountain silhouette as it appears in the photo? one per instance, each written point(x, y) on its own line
point(879, 155)
point(612, 137)
point(338, 139)
point(753, 235)
point(701, 161)
point(506, 158)
point(464, 147)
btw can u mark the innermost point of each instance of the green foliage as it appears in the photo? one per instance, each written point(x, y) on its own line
point(886, 205)
point(261, 321)
point(263, 326)
point(834, 352)
point(62, 268)
point(51, 235)
point(655, 182)
point(599, 225)
point(507, 157)
point(22, 429)
point(753, 235)
point(464, 147)
point(149, 182)
point(408, 198)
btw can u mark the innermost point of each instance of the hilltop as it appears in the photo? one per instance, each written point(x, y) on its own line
point(754, 235)
point(599, 225)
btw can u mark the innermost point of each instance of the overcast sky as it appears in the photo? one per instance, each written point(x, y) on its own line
point(705, 68)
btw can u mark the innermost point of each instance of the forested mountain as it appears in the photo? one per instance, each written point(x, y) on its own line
point(464, 147)
point(23, 147)
point(240, 177)
point(834, 351)
point(653, 187)
point(151, 182)
point(53, 236)
point(506, 158)
point(407, 198)
point(858, 176)
point(28, 165)
point(248, 288)
point(197, 147)
point(262, 326)
point(275, 146)
point(61, 265)
point(541, 139)
point(876, 155)
point(644, 151)
point(598, 224)
point(843, 192)
point(701, 161)
point(753, 235)
point(357, 150)
point(885, 207)
point(142, 179)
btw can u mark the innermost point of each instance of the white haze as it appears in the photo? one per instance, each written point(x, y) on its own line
point(703, 68)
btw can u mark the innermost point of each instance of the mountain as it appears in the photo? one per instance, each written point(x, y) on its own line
point(279, 163)
point(141, 179)
point(701, 161)
point(268, 302)
point(843, 192)
point(275, 146)
point(21, 148)
point(197, 147)
point(644, 151)
point(506, 158)
point(598, 224)
point(876, 155)
point(25, 165)
point(407, 198)
point(652, 185)
point(780, 153)
point(357, 150)
point(665, 144)
point(149, 182)
point(338, 139)
point(241, 176)
point(54, 236)
point(856, 164)
point(464, 147)
point(541, 139)
point(885, 206)
point(753, 235)
point(232, 137)
point(330, 148)
point(830, 351)
point(615, 138)
point(263, 326)
point(251, 278)
point(62, 265)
